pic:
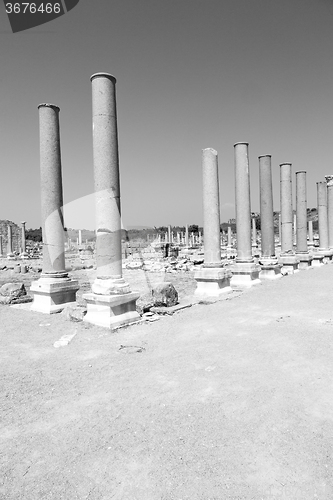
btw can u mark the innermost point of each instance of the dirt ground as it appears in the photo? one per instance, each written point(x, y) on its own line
point(229, 400)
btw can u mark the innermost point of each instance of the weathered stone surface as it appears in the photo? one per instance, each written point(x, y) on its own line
point(13, 290)
point(75, 312)
point(165, 294)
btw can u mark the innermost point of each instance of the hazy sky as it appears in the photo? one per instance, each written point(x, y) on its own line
point(191, 74)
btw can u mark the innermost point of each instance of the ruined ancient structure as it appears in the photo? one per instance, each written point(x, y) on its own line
point(211, 279)
point(111, 302)
point(55, 289)
point(245, 272)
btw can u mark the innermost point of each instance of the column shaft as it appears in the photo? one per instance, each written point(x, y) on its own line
point(51, 190)
point(106, 175)
point(10, 240)
point(329, 181)
point(243, 204)
point(322, 215)
point(286, 208)
point(266, 207)
point(211, 207)
point(301, 213)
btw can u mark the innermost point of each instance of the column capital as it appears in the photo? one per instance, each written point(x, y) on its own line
point(329, 180)
point(103, 75)
point(46, 105)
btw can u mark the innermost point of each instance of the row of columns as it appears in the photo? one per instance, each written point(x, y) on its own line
point(246, 272)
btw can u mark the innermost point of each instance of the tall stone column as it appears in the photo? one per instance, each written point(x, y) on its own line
point(1, 244)
point(270, 269)
point(24, 254)
point(55, 289)
point(280, 231)
point(211, 279)
point(111, 303)
point(329, 182)
point(80, 237)
point(295, 232)
point(323, 253)
point(302, 252)
point(287, 258)
point(245, 272)
point(311, 242)
point(10, 253)
point(254, 234)
point(229, 244)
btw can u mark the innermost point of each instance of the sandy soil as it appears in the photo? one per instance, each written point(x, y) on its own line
point(231, 400)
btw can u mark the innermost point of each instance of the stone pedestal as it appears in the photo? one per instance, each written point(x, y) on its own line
point(211, 280)
point(111, 311)
point(111, 303)
point(269, 269)
point(305, 260)
point(289, 263)
point(55, 289)
point(245, 273)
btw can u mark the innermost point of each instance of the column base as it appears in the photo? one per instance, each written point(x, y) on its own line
point(24, 256)
point(212, 282)
point(52, 295)
point(11, 256)
point(289, 263)
point(270, 269)
point(244, 275)
point(321, 256)
point(305, 260)
point(111, 311)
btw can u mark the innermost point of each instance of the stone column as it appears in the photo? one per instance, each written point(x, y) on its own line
point(169, 234)
point(295, 232)
point(229, 244)
point(322, 254)
point(287, 258)
point(329, 182)
point(211, 279)
point(80, 237)
point(55, 289)
point(254, 234)
point(311, 242)
point(178, 238)
point(111, 303)
point(280, 231)
point(270, 269)
point(245, 271)
point(1, 245)
point(24, 254)
point(10, 253)
point(302, 252)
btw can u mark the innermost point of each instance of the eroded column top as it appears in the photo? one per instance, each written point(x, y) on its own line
point(103, 75)
point(264, 156)
point(46, 105)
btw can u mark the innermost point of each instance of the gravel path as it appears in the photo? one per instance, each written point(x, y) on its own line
point(231, 400)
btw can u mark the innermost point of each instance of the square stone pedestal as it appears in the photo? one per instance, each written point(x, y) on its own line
point(321, 256)
point(305, 260)
point(212, 281)
point(270, 269)
point(244, 275)
point(111, 311)
point(52, 295)
point(289, 263)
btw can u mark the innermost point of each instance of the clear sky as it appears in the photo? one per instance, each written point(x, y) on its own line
point(191, 74)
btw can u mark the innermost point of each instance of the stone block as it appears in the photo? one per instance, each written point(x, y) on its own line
point(212, 281)
point(51, 295)
point(244, 275)
point(111, 311)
